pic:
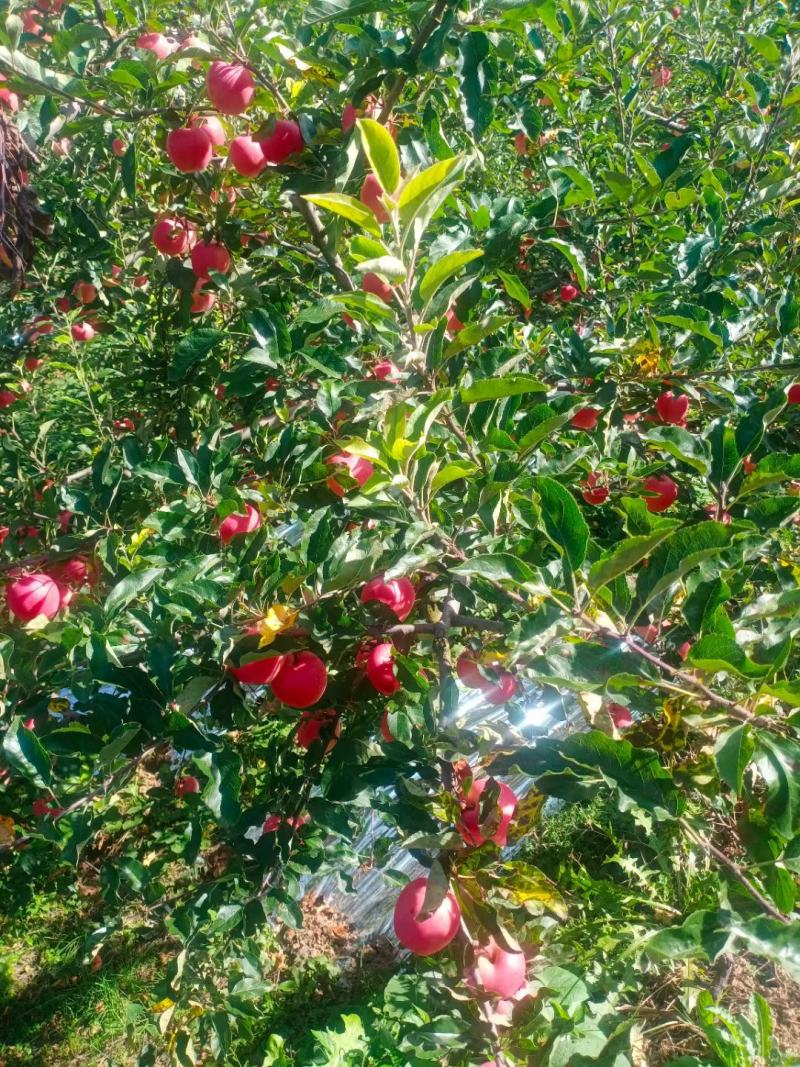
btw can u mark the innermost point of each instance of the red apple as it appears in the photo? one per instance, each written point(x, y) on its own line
point(396, 593)
point(208, 256)
point(187, 784)
point(173, 237)
point(503, 690)
point(301, 681)
point(285, 140)
point(569, 293)
point(73, 571)
point(371, 283)
point(34, 595)
point(314, 724)
point(585, 419)
point(549, 296)
point(371, 196)
point(349, 116)
point(793, 393)
point(424, 937)
point(118, 147)
point(211, 125)
point(521, 144)
point(31, 363)
point(237, 524)
point(384, 369)
point(125, 425)
point(661, 77)
point(359, 468)
point(664, 492)
point(672, 409)
point(469, 824)
point(85, 292)
point(140, 281)
point(593, 492)
point(230, 87)
point(246, 156)
point(620, 715)
point(189, 149)
point(469, 674)
point(748, 465)
point(82, 331)
point(7, 398)
point(386, 733)
point(259, 671)
point(454, 323)
point(156, 43)
point(496, 970)
point(201, 301)
point(380, 669)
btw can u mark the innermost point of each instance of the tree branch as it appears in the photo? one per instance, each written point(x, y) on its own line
point(320, 239)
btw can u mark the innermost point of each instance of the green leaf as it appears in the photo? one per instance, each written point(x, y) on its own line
point(348, 207)
point(444, 269)
point(451, 472)
point(717, 653)
point(698, 326)
point(109, 753)
point(497, 388)
point(619, 560)
point(26, 755)
point(619, 184)
point(732, 752)
point(128, 170)
point(221, 794)
point(389, 266)
point(191, 349)
point(500, 567)
point(777, 760)
point(476, 71)
point(132, 586)
point(563, 519)
point(381, 151)
point(573, 256)
point(515, 289)
point(682, 445)
point(703, 933)
point(422, 186)
point(270, 331)
point(473, 333)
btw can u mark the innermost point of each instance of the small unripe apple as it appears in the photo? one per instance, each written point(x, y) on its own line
point(246, 156)
point(301, 681)
point(469, 823)
point(187, 784)
point(371, 283)
point(189, 149)
point(156, 43)
point(82, 331)
point(585, 419)
point(397, 594)
point(173, 237)
point(118, 147)
point(672, 409)
point(380, 669)
point(34, 595)
point(664, 492)
point(315, 724)
point(496, 970)
point(230, 87)
point(284, 141)
point(569, 292)
point(208, 256)
point(262, 671)
point(236, 525)
point(371, 196)
point(424, 937)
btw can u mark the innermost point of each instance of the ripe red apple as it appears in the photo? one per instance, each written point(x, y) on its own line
point(496, 970)
point(503, 690)
point(82, 331)
point(454, 323)
point(661, 77)
point(569, 293)
point(793, 393)
point(4, 532)
point(468, 673)
point(189, 149)
point(371, 283)
point(301, 680)
point(140, 281)
point(208, 256)
point(314, 724)
point(593, 492)
point(259, 671)
point(187, 784)
point(41, 807)
point(125, 425)
point(371, 196)
point(34, 595)
point(424, 937)
point(469, 823)
point(359, 468)
point(7, 398)
point(273, 822)
point(349, 116)
point(664, 492)
point(620, 715)
point(73, 571)
point(380, 669)
point(285, 140)
point(230, 87)
point(85, 292)
point(236, 524)
point(521, 144)
point(386, 733)
point(748, 465)
point(585, 419)
point(173, 237)
point(118, 147)
point(397, 594)
point(672, 409)
point(384, 369)
point(156, 43)
point(201, 301)
point(212, 127)
point(246, 156)
point(549, 296)
point(31, 363)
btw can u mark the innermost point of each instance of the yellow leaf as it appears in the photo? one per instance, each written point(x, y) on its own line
point(162, 1005)
point(58, 705)
point(278, 618)
point(6, 830)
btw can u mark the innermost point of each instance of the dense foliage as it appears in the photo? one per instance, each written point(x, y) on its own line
point(494, 304)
